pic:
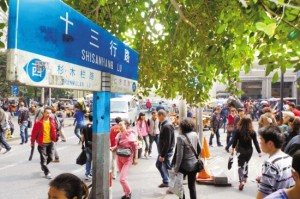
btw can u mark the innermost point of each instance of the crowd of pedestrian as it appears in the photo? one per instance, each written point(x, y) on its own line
point(280, 172)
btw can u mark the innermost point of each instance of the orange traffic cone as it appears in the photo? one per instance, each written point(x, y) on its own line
point(204, 175)
point(205, 153)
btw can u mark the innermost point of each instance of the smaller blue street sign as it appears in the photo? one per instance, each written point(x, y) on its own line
point(15, 90)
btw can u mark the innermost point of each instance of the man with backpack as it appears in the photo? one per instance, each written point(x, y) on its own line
point(87, 139)
point(23, 121)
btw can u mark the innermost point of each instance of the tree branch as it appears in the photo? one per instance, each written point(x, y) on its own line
point(183, 18)
point(275, 14)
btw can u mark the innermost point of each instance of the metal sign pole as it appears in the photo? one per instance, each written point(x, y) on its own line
point(101, 127)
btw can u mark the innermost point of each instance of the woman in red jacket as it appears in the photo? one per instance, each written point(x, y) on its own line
point(230, 125)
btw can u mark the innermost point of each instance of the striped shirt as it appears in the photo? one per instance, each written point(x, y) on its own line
point(280, 194)
point(276, 173)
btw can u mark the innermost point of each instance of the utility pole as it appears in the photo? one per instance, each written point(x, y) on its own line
point(101, 127)
point(43, 95)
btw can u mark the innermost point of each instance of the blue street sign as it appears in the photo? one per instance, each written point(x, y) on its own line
point(35, 71)
point(15, 90)
point(52, 29)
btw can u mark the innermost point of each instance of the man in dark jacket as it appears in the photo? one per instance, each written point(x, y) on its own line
point(165, 147)
point(23, 120)
point(215, 125)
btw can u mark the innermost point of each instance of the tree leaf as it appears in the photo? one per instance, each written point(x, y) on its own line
point(102, 2)
point(221, 29)
point(275, 77)
point(270, 29)
point(260, 26)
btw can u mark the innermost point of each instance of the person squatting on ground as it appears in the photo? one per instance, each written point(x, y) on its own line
point(276, 170)
point(114, 131)
point(23, 122)
point(78, 123)
point(126, 140)
point(67, 186)
point(166, 145)
point(87, 139)
point(153, 124)
point(44, 133)
point(184, 159)
point(3, 129)
point(143, 132)
point(294, 192)
point(243, 141)
point(215, 125)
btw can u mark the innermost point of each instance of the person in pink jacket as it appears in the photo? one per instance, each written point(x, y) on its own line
point(126, 140)
point(143, 132)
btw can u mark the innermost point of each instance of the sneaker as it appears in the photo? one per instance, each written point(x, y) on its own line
point(163, 185)
point(88, 177)
point(150, 155)
point(114, 177)
point(48, 176)
point(21, 143)
point(56, 161)
point(8, 150)
point(220, 145)
point(226, 149)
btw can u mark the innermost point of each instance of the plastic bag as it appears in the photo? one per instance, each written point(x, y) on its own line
point(176, 183)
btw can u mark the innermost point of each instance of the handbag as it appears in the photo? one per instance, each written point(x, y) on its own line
point(199, 166)
point(230, 128)
point(230, 162)
point(123, 152)
point(81, 159)
point(29, 124)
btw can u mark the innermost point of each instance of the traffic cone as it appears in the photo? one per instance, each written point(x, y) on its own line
point(205, 173)
point(204, 177)
point(205, 153)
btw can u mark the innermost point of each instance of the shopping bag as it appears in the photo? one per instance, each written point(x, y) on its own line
point(176, 183)
point(81, 159)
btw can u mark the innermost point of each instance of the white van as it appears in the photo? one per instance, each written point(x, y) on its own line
point(124, 107)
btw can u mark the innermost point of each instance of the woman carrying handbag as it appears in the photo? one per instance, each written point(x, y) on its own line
point(127, 152)
point(186, 155)
point(243, 141)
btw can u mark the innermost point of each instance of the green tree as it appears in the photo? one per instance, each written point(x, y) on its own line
point(186, 45)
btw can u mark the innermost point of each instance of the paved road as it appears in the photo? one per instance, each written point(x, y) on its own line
point(20, 178)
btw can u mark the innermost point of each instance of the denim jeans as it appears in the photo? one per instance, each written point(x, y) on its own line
point(212, 137)
point(88, 165)
point(163, 167)
point(3, 141)
point(152, 139)
point(24, 132)
point(231, 140)
point(146, 140)
point(77, 132)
